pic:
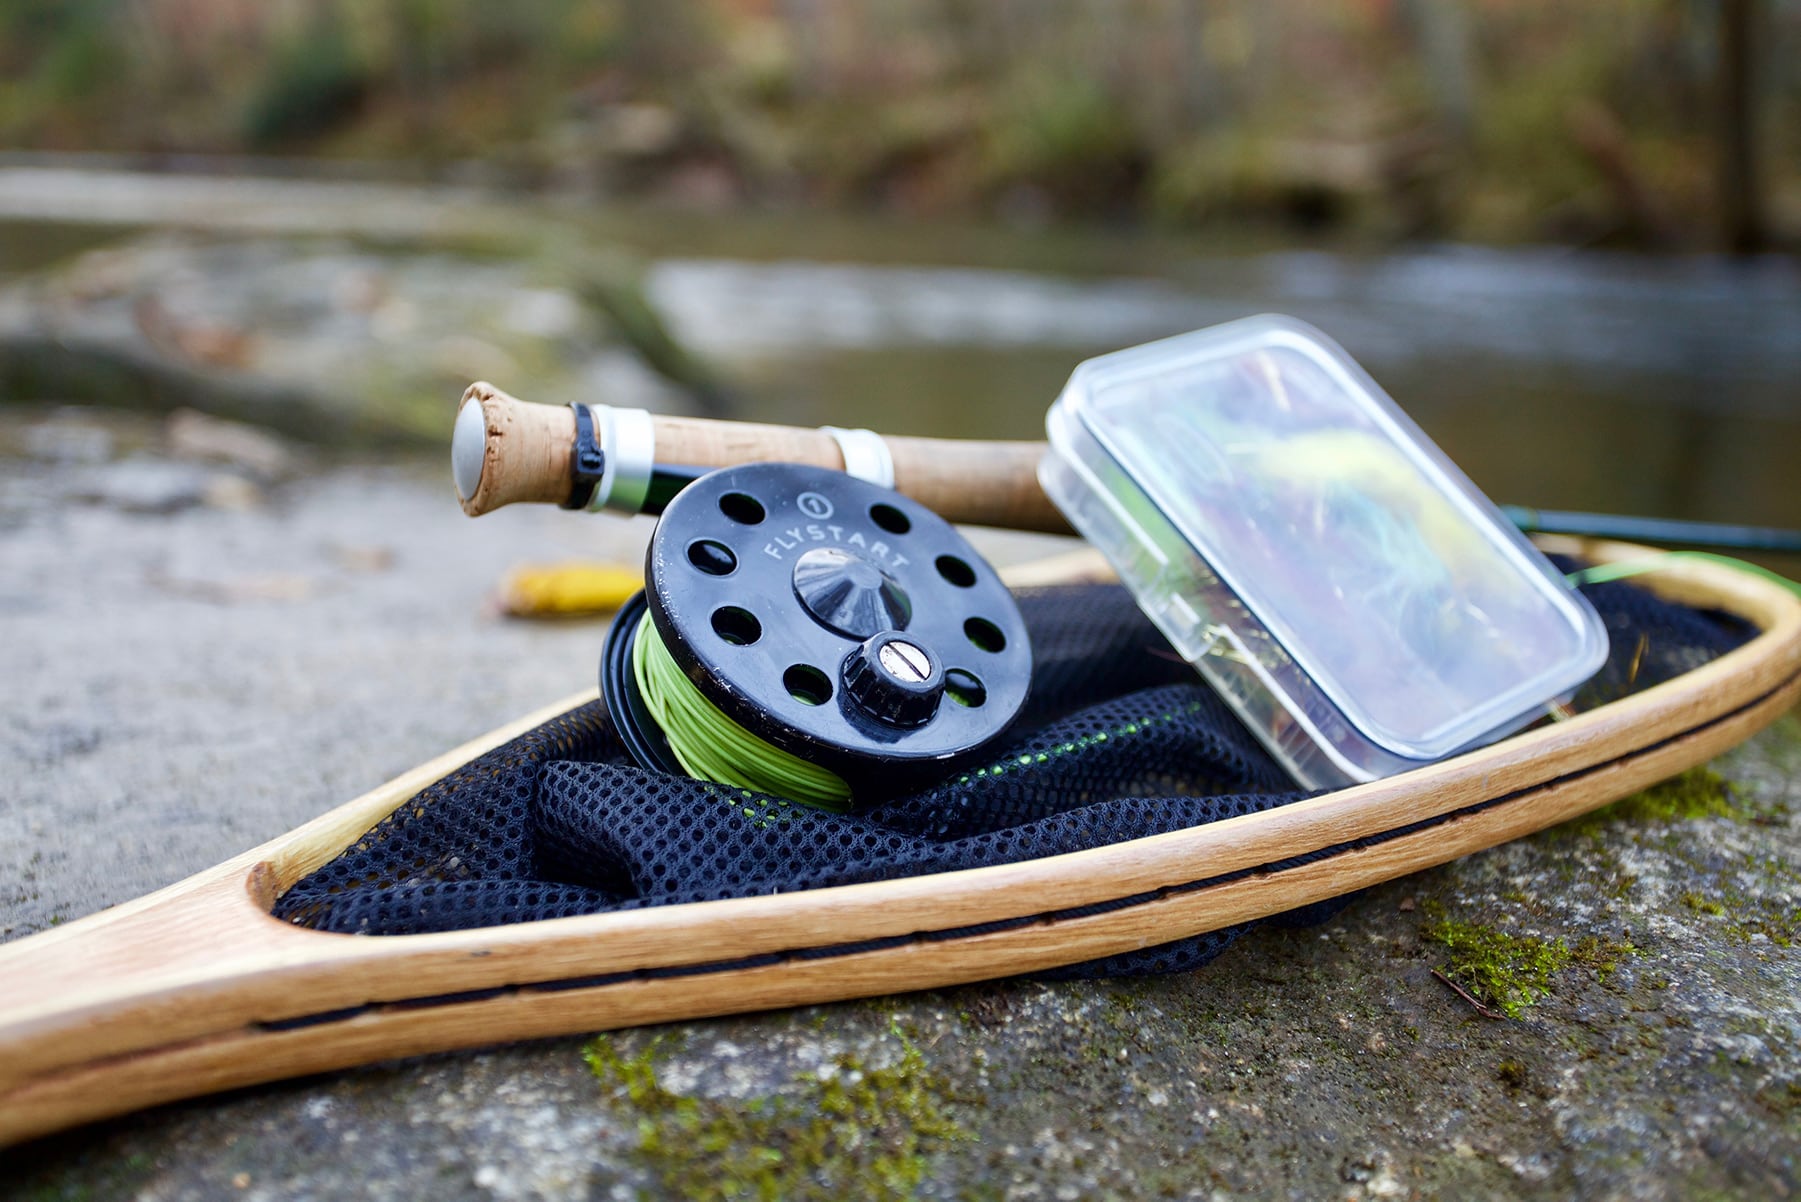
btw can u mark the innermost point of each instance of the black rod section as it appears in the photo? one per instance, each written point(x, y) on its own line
point(1654, 530)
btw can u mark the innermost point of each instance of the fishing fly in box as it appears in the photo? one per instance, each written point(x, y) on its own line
point(1301, 542)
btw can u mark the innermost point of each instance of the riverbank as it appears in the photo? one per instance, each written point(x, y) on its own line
point(1620, 123)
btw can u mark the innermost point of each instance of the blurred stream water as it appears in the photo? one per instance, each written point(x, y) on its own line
point(1560, 378)
point(1668, 387)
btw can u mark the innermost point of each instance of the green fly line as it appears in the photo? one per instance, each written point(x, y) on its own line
point(1601, 573)
point(710, 746)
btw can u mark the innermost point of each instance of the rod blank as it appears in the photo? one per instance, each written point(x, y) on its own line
point(1655, 530)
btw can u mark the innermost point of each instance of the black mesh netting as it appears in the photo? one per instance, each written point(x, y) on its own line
point(1118, 740)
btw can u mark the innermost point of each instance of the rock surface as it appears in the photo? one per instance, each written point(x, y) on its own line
point(187, 682)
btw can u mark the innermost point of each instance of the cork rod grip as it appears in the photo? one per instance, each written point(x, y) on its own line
point(508, 450)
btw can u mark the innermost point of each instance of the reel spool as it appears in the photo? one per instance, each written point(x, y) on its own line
point(833, 619)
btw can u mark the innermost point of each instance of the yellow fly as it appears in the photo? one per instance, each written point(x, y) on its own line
point(568, 590)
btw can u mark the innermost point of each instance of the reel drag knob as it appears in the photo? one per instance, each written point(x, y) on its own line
point(894, 680)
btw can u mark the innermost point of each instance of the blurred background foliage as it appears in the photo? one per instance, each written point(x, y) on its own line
point(1496, 120)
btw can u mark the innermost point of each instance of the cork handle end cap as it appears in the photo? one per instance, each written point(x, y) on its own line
point(504, 450)
point(468, 448)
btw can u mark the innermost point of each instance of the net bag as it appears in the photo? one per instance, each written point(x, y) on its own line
point(1118, 740)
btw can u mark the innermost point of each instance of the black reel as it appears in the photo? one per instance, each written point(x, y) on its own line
point(836, 619)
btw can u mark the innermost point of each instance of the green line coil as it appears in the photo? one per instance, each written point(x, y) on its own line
point(710, 746)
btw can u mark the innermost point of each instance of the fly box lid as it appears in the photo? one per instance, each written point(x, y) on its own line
point(1302, 543)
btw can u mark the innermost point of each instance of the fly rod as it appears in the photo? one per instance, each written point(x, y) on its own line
point(599, 457)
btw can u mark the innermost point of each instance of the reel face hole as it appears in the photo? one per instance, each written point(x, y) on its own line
point(742, 508)
point(712, 557)
point(985, 635)
point(739, 627)
point(807, 684)
point(956, 571)
point(890, 519)
point(965, 688)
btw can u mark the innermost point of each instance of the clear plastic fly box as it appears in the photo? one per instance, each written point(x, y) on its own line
point(1330, 572)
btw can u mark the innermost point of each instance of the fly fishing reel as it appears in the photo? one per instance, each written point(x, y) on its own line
point(812, 635)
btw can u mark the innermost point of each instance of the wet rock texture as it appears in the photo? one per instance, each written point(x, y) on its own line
point(189, 678)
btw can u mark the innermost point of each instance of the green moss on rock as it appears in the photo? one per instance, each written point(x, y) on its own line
point(1601, 956)
point(1699, 792)
point(1746, 916)
point(1505, 972)
point(1697, 901)
point(848, 1131)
